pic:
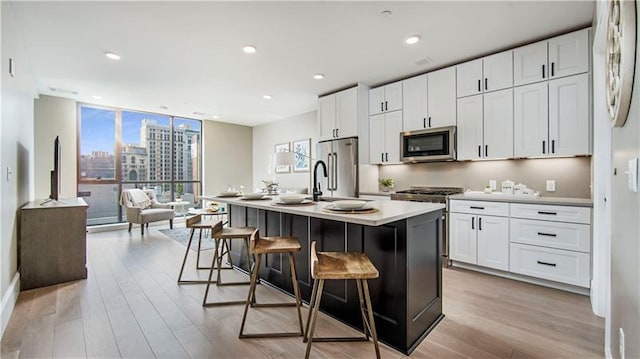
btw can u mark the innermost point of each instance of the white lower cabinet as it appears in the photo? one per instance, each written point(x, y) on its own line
point(481, 240)
point(553, 264)
point(550, 242)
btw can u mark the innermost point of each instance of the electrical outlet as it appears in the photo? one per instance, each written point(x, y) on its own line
point(9, 173)
point(621, 343)
point(493, 185)
point(551, 185)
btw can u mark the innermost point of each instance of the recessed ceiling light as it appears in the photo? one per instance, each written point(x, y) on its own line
point(215, 117)
point(318, 76)
point(267, 97)
point(164, 107)
point(112, 55)
point(386, 13)
point(412, 39)
point(249, 49)
point(97, 97)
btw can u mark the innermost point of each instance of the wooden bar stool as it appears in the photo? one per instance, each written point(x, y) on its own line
point(339, 265)
point(221, 236)
point(194, 223)
point(271, 245)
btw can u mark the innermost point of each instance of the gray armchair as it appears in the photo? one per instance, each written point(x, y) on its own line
point(142, 208)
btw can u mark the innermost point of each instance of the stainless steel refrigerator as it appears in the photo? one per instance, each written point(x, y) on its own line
point(341, 158)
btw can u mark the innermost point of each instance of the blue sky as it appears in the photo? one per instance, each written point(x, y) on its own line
point(98, 132)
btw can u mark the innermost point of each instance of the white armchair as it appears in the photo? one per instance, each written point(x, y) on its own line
point(142, 207)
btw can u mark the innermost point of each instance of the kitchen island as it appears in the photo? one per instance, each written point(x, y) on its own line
point(402, 239)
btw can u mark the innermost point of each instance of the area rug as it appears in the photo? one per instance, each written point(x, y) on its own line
point(181, 235)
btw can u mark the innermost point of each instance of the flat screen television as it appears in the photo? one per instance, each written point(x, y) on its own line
point(55, 174)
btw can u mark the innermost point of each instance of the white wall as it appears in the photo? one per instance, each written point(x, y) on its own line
point(55, 116)
point(227, 151)
point(625, 228)
point(17, 155)
point(265, 137)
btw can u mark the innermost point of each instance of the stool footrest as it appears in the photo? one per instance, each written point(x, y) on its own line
point(193, 281)
point(230, 283)
point(216, 304)
point(272, 305)
point(337, 339)
point(203, 267)
point(271, 335)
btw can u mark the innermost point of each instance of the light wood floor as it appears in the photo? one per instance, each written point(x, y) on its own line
point(130, 306)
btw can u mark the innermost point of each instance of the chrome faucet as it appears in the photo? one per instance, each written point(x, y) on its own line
point(316, 185)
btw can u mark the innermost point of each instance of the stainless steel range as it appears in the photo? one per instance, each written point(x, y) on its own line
point(436, 195)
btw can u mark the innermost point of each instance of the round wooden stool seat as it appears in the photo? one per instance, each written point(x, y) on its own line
point(338, 265)
point(265, 245)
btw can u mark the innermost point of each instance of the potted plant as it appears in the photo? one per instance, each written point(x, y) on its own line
point(386, 184)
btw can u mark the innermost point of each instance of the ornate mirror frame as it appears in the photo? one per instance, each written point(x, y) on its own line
point(620, 59)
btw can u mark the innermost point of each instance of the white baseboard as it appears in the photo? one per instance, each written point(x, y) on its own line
point(9, 301)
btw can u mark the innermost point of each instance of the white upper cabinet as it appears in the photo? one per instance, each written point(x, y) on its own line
point(327, 116)
point(414, 103)
point(347, 113)
point(469, 78)
point(385, 98)
point(530, 64)
point(384, 132)
point(531, 125)
point(498, 71)
point(429, 100)
point(490, 73)
point(569, 115)
point(498, 124)
point(470, 128)
point(442, 97)
point(560, 56)
point(569, 54)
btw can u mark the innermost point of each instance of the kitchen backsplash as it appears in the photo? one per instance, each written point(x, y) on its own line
point(572, 175)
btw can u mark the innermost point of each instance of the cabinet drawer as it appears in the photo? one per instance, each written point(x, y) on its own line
point(551, 213)
point(480, 207)
point(570, 236)
point(552, 264)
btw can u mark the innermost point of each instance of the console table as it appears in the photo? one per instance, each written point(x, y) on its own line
point(53, 247)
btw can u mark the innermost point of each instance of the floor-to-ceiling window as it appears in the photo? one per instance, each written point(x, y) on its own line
point(121, 149)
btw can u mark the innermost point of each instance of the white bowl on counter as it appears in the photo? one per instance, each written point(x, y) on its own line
point(292, 197)
point(255, 195)
point(349, 204)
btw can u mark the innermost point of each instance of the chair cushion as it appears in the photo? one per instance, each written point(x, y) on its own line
point(139, 198)
point(155, 214)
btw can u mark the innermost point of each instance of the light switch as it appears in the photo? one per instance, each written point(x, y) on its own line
point(632, 173)
point(493, 185)
point(551, 185)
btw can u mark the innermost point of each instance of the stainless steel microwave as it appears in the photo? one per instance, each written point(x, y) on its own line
point(429, 145)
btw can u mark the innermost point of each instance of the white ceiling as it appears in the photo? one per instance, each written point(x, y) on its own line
point(188, 56)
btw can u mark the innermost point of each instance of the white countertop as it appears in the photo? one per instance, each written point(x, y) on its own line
point(389, 211)
point(499, 197)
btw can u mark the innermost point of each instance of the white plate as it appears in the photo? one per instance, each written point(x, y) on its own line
point(348, 204)
point(253, 196)
point(334, 208)
point(304, 201)
point(292, 198)
point(228, 194)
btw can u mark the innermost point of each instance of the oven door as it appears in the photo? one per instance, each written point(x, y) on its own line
point(431, 145)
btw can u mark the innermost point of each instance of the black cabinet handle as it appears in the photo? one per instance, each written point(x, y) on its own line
point(553, 146)
point(424, 123)
point(473, 222)
point(337, 129)
point(381, 106)
point(486, 150)
point(486, 86)
point(543, 74)
point(552, 69)
point(480, 223)
point(549, 213)
point(475, 207)
point(547, 234)
point(547, 264)
point(544, 146)
point(479, 149)
point(387, 157)
point(429, 121)
point(479, 88)
point(386, 106)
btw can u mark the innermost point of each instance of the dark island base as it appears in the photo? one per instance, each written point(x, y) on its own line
point(407, 297)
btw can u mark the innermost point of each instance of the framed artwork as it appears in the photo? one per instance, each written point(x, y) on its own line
point(302, 149)
point(282, 147)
